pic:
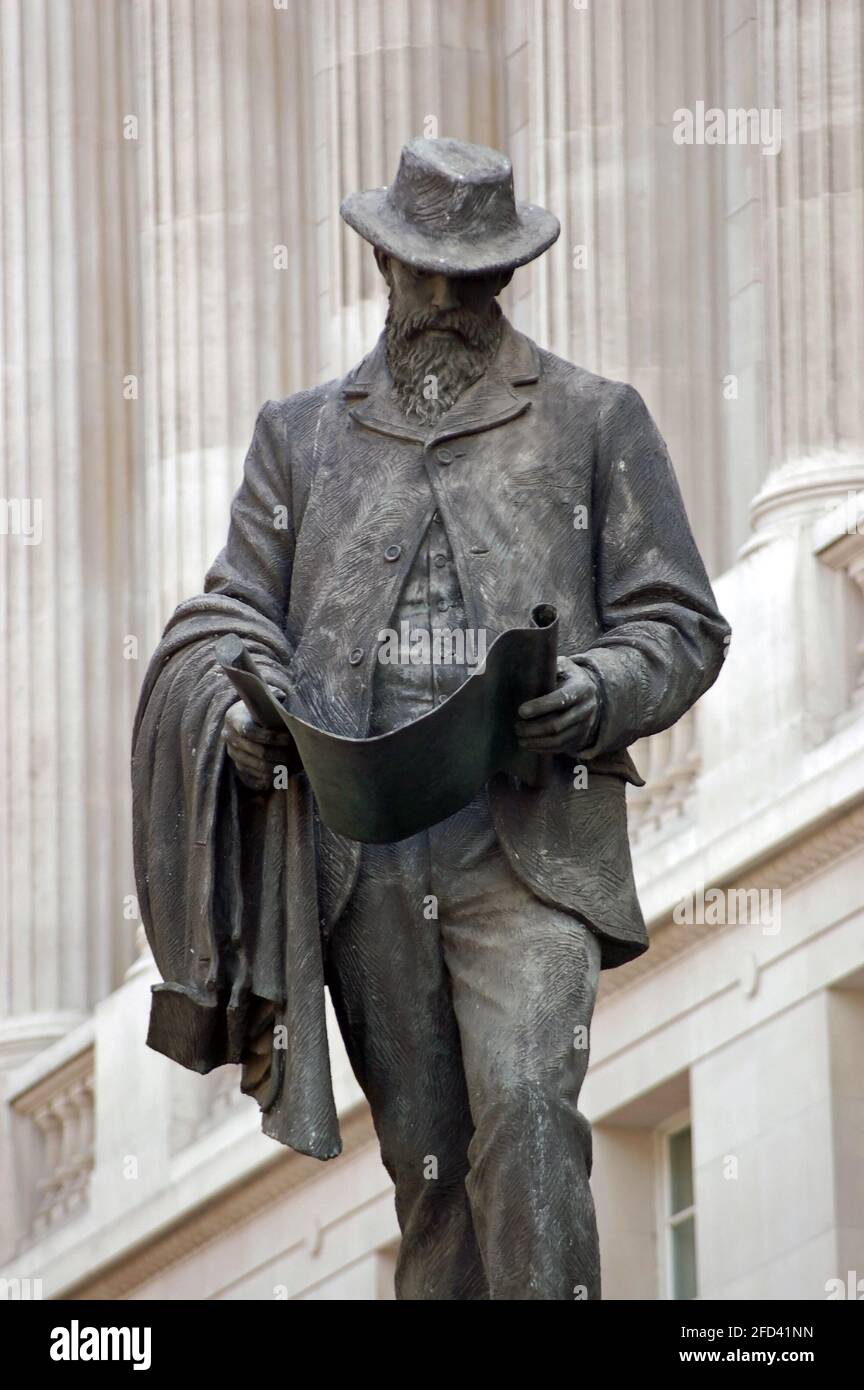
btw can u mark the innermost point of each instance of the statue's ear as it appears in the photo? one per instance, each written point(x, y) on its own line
point(382, 260)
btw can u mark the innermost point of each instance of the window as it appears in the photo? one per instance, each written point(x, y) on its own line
point(678, 1211)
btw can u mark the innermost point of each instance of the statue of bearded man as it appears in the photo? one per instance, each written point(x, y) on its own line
point(436, 484)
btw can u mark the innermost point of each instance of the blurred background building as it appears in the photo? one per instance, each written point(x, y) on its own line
point(172, 255)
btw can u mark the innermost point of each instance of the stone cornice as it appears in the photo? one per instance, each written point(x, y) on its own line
point(812, 852)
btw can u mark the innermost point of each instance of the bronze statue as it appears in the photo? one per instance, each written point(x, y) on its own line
point(455, 479)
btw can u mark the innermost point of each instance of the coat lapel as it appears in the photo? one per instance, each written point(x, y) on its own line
point(491, 401)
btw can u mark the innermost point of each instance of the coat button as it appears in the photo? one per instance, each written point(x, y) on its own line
point(443, 605)
point(356, 656)
point(392, 552)
point(440, 561)
point(445, 456)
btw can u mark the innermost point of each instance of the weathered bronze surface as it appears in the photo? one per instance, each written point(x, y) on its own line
point(454, 478)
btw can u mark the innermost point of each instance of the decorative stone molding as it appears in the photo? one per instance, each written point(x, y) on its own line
point(670, 764)
point(201, 1103)
point(26, 1034)
point(815, 851)
point(56, 1146)
point(793, 494)
point(838, 541)
point(285, 1172)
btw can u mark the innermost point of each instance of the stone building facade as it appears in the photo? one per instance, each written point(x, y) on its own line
point(172, 255)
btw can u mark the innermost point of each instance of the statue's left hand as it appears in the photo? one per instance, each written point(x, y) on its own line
point(565, 720)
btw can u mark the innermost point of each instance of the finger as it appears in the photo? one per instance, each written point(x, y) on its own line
point(554, 723)
point(248, 754)
point(267, 737)
point(237, 720)
point(568, 737)
point(566, 694)
point(254, 733)
point(253, 770)
point(265, 758)
point(249, 746)
point(239, 723)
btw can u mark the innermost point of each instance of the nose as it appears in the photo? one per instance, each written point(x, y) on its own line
point(444, 293)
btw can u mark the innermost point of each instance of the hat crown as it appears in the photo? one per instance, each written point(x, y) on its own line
point(451, 210)
point(451, 188)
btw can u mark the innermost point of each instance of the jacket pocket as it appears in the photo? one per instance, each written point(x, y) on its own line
point(617, 765)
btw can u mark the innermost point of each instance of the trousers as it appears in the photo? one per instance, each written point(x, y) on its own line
point(465, 1005)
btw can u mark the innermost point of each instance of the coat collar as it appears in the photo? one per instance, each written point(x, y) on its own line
point(490, 401)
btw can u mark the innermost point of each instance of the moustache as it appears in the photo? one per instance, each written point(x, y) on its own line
point(474, 328)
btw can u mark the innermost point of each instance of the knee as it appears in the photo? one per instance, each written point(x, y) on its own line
point(425, 1159)
point(536, 1119)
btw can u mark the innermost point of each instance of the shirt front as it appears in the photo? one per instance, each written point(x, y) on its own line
point(430, 614)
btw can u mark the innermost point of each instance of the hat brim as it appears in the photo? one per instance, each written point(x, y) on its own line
point(371, 214)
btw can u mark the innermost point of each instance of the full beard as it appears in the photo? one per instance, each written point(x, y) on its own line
point(430, 373)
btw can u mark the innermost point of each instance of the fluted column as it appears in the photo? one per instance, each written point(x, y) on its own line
point(634, 288)
point(812, 70)
point(228, 251)
point(67, 429)
point(385, 71)
point(745, 166)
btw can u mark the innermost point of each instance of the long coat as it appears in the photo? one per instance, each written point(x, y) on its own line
point(554, 486)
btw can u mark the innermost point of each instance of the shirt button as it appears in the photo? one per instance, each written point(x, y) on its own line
point(392, 552)
point(445, 456)
point(355, 657)
point(440, 561)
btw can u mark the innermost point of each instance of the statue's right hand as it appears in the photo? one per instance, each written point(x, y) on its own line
point(255, 752)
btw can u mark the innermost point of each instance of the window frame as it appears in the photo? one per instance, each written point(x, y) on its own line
point(667, 1221)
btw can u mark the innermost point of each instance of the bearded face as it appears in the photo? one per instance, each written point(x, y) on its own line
point(434, 353)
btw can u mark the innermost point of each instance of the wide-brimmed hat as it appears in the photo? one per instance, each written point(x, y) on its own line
point(451, 209)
